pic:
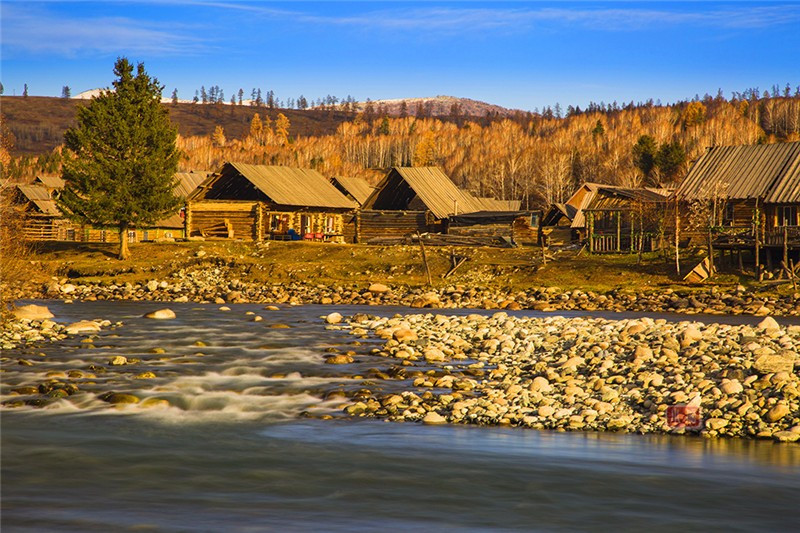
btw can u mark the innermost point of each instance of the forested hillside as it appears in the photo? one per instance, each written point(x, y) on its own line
point(538, 158)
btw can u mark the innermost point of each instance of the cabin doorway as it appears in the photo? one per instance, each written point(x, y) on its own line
point(305, 224)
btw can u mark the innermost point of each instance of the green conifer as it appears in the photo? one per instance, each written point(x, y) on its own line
point(121, 157)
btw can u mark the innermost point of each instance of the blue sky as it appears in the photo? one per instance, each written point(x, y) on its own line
point(522, 55)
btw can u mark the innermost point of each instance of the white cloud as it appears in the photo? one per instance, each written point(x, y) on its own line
point(467, 19)
point(38, 31)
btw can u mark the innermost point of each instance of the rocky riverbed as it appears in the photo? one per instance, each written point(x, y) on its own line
point(219, 284)
point(587, 374)
point(29, 325)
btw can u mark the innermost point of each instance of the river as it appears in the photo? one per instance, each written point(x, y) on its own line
point(232, 453)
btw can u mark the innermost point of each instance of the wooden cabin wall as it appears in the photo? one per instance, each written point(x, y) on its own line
point(254, 220)
point(482, 230)
point(370, 224)
point(772, 215)
point(211, 218)
point(742, 211)
point(318, 222)
point(523, 233)
point(349, 228)
point(43, 228)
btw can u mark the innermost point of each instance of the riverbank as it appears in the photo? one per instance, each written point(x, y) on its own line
point(585, 374)
point(519, 369)
point(318, 273)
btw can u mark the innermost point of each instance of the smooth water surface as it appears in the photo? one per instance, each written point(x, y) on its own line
point(232, 453)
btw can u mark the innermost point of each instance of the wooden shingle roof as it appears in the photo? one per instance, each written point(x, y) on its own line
point(770, 172)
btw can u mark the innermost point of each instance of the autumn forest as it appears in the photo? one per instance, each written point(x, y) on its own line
point(538, 158)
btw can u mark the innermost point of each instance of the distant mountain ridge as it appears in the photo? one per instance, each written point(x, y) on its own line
point(439, 106)
point(432, 106)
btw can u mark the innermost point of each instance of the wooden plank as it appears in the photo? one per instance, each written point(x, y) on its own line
point(700, 272)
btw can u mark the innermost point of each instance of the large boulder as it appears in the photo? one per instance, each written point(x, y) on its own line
point(32, 312)
point(333, 318)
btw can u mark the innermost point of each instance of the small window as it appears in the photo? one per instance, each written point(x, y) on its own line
point(787, 215)
point(131, 235)
point(728, 215)
point(145, 235)
point(330, 224)
point(167, 234)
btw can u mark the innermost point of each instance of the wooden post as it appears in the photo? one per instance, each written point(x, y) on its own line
point(710, 252)
point(425, 260)
point(544, 250)
point(786, 245)
point(187, 219)
point(757, 233)
point(590, 230)
point(619, 231)
point(259, 222)
point(633, 233)
point(677, 239)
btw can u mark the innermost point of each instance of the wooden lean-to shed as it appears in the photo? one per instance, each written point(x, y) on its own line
point(563, 223)
point(256, 202)
point(626, 219)
point(610, 205)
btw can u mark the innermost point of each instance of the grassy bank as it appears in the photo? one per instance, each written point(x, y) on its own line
point(319, 263)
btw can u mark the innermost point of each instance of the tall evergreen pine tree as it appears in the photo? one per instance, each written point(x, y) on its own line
point(122, 157)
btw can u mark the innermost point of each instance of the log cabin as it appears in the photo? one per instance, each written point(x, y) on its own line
point(411, 200)
point(260, 202)
point(749, 196)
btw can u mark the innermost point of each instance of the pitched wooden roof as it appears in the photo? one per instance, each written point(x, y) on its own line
point(39, 196)
point(358, 188)
point(289, 186)
point(433, 188)
point(188, 182)
point(493, 204)
point(770, 172)
point(52, 182)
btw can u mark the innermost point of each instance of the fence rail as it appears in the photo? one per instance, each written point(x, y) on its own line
point(606, 243)
point(745, 236)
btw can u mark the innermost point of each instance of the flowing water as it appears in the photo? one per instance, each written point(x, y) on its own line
point(231, 451)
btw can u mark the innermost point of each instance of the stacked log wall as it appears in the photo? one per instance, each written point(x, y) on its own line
point(370, 224)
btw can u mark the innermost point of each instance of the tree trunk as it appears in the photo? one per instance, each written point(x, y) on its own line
point(124, 253)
